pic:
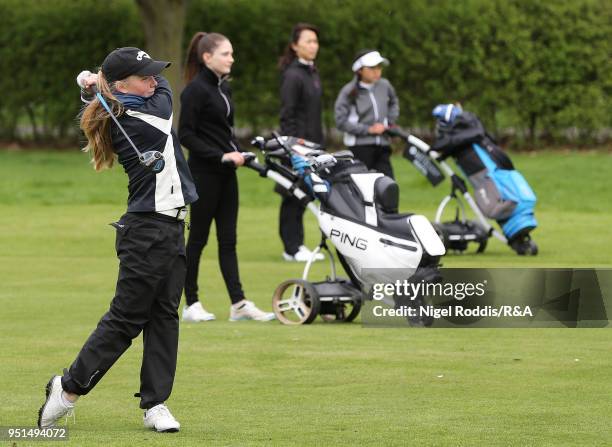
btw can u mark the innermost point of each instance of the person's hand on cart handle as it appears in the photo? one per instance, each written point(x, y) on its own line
point(233, 157)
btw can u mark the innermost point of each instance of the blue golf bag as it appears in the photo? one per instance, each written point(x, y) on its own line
point(500, 191)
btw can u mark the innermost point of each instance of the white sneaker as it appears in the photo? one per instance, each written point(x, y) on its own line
point(196, 313)
point(55, 405)
point(287, 257)
point(303, 255)
point(246, 310)
point(319, 257)
point(160, 419)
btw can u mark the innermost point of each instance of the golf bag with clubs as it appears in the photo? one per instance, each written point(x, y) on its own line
point(501, 192)
point(357, 211)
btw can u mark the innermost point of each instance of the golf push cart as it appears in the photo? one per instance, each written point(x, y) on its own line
point(357, 212)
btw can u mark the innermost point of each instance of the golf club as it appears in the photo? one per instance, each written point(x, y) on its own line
point(151, 160)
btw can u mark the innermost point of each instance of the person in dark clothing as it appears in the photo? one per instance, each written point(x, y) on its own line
point(206, 130)
point(365, 107)
point(150, 241)
point(300, 116)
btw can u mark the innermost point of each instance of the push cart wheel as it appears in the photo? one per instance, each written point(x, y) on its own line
point(523, 245)
point(342, 312)
point(295, 301)
point(482, 246)
point(418, 319)
point(352, 313)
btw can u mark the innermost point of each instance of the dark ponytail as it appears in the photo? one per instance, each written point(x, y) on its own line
point(200, 43)
point(289, 53)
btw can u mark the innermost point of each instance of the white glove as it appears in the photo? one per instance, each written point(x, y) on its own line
point(81, 78)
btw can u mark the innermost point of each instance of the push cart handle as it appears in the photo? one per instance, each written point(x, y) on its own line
point(396, 131)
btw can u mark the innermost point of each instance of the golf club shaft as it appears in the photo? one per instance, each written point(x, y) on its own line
point(105, 105)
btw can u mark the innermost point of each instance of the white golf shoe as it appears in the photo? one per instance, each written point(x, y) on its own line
point(160, 419)
point(246, 310)
point(196, 313)
point(303, 255)
point(55, 405)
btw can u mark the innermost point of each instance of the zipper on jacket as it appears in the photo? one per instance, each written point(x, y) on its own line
point(227, 104)
point(375, 104)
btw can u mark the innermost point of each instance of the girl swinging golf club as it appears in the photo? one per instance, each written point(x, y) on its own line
point(133, 108)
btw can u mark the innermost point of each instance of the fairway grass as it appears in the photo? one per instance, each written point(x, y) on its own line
point(263, 384)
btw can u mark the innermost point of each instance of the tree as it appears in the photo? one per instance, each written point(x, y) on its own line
point(164, 23)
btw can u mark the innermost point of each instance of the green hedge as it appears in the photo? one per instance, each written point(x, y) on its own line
point(43, 46)
point(530, 67)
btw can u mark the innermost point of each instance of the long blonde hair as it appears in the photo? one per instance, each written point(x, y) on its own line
point(95, 124)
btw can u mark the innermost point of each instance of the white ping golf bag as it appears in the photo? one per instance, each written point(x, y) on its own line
point(358, 212)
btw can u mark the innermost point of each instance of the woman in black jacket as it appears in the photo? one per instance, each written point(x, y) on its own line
point(300, 116)
point(206, 130)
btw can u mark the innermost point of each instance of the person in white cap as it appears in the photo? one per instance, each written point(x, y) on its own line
point(364, 108)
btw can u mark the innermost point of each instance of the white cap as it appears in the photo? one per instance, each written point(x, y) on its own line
point(371, 59)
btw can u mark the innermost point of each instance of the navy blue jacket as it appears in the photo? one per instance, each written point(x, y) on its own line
point(150, 128)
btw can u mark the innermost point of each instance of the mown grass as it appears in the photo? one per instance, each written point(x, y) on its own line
point(268, 384)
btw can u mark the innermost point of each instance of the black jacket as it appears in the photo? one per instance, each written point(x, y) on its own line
point(300, 92)
point(206, 126)
point(150, 128)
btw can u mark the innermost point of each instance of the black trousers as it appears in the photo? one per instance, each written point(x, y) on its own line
point(291, 223)
point(219, 202)
point(375, 157)
point(151, 254)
